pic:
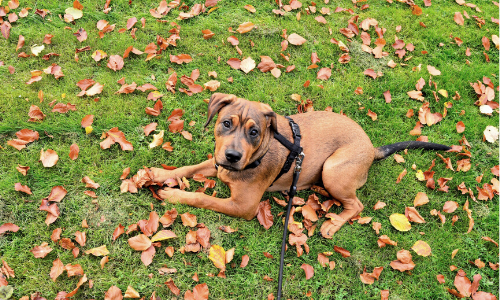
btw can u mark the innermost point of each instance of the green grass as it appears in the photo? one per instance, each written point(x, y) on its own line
point(127, 113)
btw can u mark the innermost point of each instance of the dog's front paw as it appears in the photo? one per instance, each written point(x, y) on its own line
point(170, 195)
point(159, 175)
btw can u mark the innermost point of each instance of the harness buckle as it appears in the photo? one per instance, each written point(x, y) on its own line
point(298, 162)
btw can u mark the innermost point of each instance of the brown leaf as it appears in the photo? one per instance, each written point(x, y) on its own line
point(140, 242)
point(80, 238)
point(245, 27)
point(401, 175)
point(324, 73)
point(460, 127)
point(342, 251)
point(189, 220)
point(244, 261)
point(48, 158)
point(181, 58)
point(22, 188)
point(433, 71)
point(296, 39)
point(264, 214)
point(420, 199)
point(458, 18)
point(57, 269)
point(371, 73)
point(147, 255)
point(379, 205)
point(73, 151)
point(119, 230)
point(41, 251)
point(450, 206)
point(462, 283)
point(308, 269)
point(115, 62)
point(490, 240)
point(173, 288)
point(413, 216)
point(113, 293)
point(57, 194)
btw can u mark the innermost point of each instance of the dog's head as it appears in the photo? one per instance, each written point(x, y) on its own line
point(242, 131)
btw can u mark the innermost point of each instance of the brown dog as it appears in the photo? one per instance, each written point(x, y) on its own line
point(337, 151)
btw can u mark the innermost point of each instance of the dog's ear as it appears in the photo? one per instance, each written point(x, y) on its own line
point(217, 102)
point(270, 117)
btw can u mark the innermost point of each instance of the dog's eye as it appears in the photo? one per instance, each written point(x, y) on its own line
point(226, 124)
point(254, 132)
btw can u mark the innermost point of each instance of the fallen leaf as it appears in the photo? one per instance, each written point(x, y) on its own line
point(48, 158)
point(218, 256)
point(264, 214)
point(308, 269)
point(296, 39)
point(400, 222)
point(422, 248)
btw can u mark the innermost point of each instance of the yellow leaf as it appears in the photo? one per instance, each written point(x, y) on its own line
point(163, 235)
point(400, 222)
point(444, 93)
point(35, 49)
point(218, 256)
point(99, 251)
point(420, 175)
point(76, 13)
point(422, 248)
point(88, 129)
point(157, 140)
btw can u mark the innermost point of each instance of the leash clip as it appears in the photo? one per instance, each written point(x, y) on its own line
point(298, 162)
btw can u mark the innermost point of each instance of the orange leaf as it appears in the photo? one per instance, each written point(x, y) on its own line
point(140, 242)
point(296, 39)
point(22, 188)
point(57, 269)
point(308, 269)
point(420, 199)
point(401, 175)
point(57, 194)
point(189, 220)
point(244, 261)
point(113, 293)
point(245, 27)
point(41, 251)
point(458, 18)
point(264, 214)
point(342, 251)
point(48, 158)
point(115, 63)
point(147, 255)
point(73, 151)
point(119, 230)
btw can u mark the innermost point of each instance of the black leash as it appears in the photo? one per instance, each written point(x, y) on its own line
point(296, 155)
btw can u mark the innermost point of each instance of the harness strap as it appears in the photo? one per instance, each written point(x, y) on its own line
point(294, 148)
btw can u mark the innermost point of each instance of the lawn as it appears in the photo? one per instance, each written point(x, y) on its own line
point(415, 42)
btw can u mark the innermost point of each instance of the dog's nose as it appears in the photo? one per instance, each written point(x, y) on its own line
point(233, 155)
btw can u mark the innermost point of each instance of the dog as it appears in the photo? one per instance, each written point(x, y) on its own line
point(338, 153)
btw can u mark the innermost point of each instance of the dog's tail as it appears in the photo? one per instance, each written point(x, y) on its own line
point(384, 151)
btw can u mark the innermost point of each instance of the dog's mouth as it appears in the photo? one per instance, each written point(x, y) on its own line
point(229, 167)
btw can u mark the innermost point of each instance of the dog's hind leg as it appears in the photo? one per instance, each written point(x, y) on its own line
point(343, 173)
